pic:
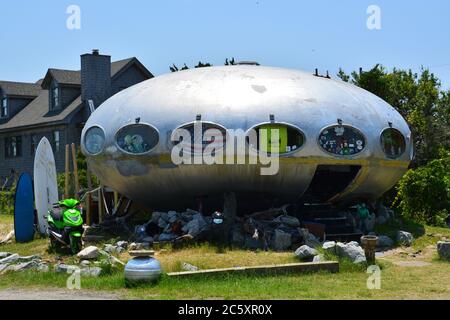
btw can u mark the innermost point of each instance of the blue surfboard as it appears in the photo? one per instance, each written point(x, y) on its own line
point(24, 209)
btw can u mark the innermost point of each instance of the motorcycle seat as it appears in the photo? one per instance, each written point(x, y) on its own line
point(56, 214)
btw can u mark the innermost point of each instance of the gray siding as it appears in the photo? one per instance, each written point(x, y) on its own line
point(25, 163)
point(68, 94)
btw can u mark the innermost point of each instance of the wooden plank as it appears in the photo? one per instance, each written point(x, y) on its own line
point(292, 268)
point(66, 175)
point(75, 171)
point(89, 198)
point(88, 209)
point(100, 205)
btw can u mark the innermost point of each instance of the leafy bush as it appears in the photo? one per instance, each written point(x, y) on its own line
point(82, 176)
point(7, 200)
point(424, 193)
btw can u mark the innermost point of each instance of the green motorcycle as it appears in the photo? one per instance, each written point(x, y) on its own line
point(65, 225)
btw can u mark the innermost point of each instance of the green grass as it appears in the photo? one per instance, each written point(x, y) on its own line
point(397, 283)
point(430, 282)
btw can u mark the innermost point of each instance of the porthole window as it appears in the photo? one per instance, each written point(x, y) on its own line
point(393, 143)
point(200, 135)
point(137, 138)
point(342, 140)
point(94, 140)
point(290, 139)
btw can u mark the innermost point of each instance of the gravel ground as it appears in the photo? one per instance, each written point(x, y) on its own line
point(57, 294)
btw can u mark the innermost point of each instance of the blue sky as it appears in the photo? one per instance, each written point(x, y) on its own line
point(324, 34)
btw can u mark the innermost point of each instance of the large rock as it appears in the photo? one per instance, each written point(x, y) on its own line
point(91, 271)
point(85, 263)
point(172, 216)
point(113, 249)
point(3, 255)
point(24, 266)
point(64, 268)
point(188, 267)
point(405, 238)
point(122, 244)
point(195, 226)
point(288, 221)
point(319, 258)
point(43, 267)
point(281, 240)
point(305, 252)
point(90, 253)
point(309, 239)
point(351, 251)
point(10, 259)
point(329, 246)
point(385, 242)
point(443, 248)
point(30, 258)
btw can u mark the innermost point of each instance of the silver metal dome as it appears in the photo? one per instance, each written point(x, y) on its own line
point(244, 97)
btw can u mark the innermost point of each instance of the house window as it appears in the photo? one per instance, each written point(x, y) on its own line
point(34, 144)
point(13, 147)
point(56, 140)
point(55, 98)
point(4, 111)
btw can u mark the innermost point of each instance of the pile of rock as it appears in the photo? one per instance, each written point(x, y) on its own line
point(14, 262)
point(172, 225)
point(274, 229)
point(351, 250)
point(91, 261)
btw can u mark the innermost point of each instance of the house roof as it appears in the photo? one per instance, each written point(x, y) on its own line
point(118, 66)
point(37, 112)
point(70, 77)
point(67, 77)
point(20, 89)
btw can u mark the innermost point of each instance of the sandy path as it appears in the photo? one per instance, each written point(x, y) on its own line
point(56, 294)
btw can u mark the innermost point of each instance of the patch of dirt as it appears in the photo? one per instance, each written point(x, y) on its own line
point(56, 294)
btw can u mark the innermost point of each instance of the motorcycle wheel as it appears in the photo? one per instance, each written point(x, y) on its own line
point(75, 245)
point(53, 244)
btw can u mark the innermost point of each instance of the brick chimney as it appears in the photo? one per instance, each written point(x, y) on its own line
point(95, 77)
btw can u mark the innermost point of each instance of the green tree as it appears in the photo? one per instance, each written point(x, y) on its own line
point(419, 99)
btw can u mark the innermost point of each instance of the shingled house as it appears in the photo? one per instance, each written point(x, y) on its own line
point(57, 107)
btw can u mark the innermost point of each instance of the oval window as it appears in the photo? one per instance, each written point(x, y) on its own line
point(137, 138)
point(342, 140)
point(94, 140)
point(276, 138)
point(393, 143)
point(196, 136)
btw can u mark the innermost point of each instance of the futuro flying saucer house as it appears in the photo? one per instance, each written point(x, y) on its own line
point(338, 143)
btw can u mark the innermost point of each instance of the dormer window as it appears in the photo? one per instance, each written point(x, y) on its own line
point(55, 98)
point(4, 109)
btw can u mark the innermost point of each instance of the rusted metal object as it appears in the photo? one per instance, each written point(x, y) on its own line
point(369, 244)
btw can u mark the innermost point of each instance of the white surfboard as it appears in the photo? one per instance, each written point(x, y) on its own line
point(45, 183)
